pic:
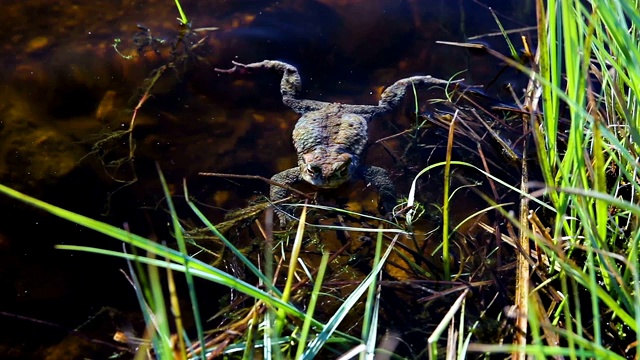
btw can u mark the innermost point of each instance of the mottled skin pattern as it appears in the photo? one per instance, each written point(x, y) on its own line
point(330, 137)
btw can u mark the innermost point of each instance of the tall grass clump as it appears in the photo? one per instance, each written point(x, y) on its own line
point(584, 114)
point(587, 137)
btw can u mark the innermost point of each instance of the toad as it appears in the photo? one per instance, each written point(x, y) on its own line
point(329, 138)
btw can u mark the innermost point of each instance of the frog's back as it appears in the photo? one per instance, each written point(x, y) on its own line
point(330, 127)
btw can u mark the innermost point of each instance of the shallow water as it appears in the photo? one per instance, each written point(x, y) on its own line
point(65, 86)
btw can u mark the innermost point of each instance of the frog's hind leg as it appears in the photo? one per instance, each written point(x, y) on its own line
point(290, 84)
point(392, 95)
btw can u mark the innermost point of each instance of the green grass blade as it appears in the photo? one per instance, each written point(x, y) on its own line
point(291, 272)
point(211, 273)
point(182, 246)
point(316, 344)
point(372, 304)
point(317, 287)
point(183, 16)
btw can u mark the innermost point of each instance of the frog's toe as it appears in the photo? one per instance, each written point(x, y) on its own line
point(285, 215)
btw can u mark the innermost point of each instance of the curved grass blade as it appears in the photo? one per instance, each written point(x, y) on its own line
point(228, 243)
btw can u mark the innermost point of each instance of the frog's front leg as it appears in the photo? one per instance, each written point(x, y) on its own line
point(379, 178)
point(287, 177)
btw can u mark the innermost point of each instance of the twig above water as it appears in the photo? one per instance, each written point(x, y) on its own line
point(256, 177)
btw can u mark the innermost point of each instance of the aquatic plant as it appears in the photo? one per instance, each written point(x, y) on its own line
point(183, 52)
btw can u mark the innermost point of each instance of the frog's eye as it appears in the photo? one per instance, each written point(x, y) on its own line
point(313, 170)
point(342, 171)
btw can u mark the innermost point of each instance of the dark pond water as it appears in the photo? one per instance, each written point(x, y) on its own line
point(64, 87)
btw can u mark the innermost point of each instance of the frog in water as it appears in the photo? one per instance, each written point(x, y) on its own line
point(329, 138)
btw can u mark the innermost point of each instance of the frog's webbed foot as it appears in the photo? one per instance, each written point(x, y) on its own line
point(290, 84)
point(379, 178)
point(237, 67)
point(286, 177)
point(392, 95)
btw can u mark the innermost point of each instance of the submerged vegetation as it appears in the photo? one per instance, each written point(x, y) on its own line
point(546, 267)
point(176, 56)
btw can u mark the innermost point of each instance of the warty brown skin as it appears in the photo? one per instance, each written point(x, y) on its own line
point(330, 137)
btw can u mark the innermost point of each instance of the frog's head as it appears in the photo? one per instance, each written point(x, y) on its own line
point(327, 168)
